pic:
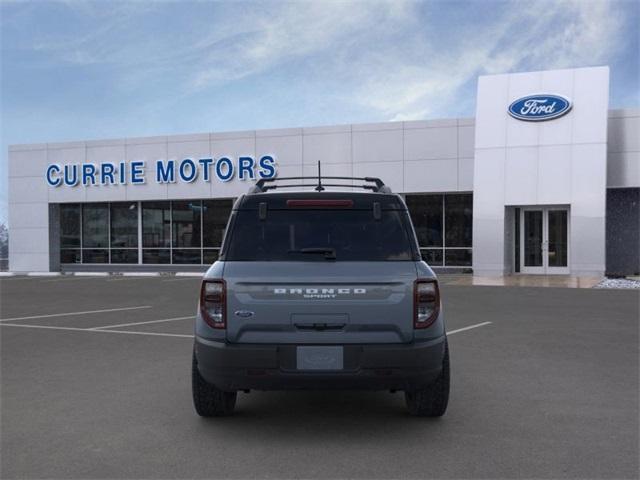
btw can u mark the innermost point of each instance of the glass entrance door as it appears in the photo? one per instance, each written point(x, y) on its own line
point(544, 240)
point(533, 242)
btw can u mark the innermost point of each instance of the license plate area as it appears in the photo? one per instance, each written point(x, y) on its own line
point(320, 358)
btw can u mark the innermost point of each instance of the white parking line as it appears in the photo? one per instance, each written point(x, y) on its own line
point(180, 279)
point(159, 334)
point(468, 328)
point(69, 278)
point(75, 329)
point(74, 313)
point(18, 278)
point(143, 323)
point(122, 278)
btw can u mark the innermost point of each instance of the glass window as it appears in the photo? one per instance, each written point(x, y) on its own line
point(426, 215)
point(557, 249)
point(70, 255)
point(433, 256)
point(186, 224)
point(316, 235)
point(124, 225)
point(95, 225)
point(532, 233)
point(210, 255)
point(517, 240)
point(156, 224)
point(127, 255)
point(95, 255)
point(458, 220)
point(186, 255)
point(457, 257)
point(69, 226)
point(156, 255)
point(215, 214)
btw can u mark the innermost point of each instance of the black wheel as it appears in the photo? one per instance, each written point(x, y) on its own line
point(208, 400)
point(432, 400)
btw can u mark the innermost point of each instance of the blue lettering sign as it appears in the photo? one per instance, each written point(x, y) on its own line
point(166, 171)
point(51, 180)
point(123, 173)
point(137, 173)
point(267, 167)
point(165, 174)
point(224, 162)
point(245, 166)
point(206, 168)
point(188, 174)
point(106, 173)
point(71, 175)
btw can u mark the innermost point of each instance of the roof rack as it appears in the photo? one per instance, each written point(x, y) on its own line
point(378, 185)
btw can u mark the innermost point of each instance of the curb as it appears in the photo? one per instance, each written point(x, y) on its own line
point(104, 274)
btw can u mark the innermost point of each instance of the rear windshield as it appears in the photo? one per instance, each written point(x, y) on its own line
point(320, 235)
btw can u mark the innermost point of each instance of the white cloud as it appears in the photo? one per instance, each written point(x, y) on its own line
point(293, 31)
point(532, 36)
point(387, 56)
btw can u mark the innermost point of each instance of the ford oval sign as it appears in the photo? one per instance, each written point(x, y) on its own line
point(536, 108)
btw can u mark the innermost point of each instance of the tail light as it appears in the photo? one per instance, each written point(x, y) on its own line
point(213, 303)
point(426, 303)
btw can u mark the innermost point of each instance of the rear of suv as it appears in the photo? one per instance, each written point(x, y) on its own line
point(320, 290)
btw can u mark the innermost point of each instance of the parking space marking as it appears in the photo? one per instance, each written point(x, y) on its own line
point(180, 279)
point(108, 328)
point(142, 323)
point(68, 314)
point(72, 278)
point(122, 278)
point(17, 279)
point(76, 329)
point(463, 329)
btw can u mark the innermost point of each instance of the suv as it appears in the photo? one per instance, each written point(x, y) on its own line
point(320, 290)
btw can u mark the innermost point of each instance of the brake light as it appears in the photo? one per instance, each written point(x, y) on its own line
point(213, 303)
point(321, 203)
point(426, 303)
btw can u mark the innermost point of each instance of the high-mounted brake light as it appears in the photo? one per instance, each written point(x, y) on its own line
point(426, 303)
point(321, 203)
point(213, 303)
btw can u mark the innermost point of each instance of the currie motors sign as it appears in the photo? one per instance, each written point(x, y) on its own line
point(536, 108)
point(187, 170)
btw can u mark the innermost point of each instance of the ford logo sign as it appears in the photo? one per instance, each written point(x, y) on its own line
point(243, 313)
point(536, 108)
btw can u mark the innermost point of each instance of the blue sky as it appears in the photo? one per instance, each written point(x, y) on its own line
point(82, 70)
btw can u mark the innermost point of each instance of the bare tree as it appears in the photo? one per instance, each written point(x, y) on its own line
point(4, 241)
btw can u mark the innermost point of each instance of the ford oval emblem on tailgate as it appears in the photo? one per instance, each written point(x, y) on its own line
point(243, 313)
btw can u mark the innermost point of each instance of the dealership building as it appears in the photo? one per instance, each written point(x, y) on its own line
point(544, 180)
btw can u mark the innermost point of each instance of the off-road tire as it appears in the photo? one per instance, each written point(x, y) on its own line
point(208, 400)
point(432, 400)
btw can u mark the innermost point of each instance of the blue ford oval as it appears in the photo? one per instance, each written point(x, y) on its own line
point(536, 108)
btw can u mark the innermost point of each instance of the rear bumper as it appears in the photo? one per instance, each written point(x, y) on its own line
point(233, 367)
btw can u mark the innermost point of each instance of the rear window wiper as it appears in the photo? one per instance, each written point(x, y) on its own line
point(329, 253)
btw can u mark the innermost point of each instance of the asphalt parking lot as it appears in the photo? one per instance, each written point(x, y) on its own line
point(96, 384)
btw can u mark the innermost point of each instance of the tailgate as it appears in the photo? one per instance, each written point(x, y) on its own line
point(320, 302)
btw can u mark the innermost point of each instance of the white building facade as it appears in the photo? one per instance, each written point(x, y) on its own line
point(544, 180)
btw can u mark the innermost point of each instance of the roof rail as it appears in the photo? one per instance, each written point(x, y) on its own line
point(378, 185)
